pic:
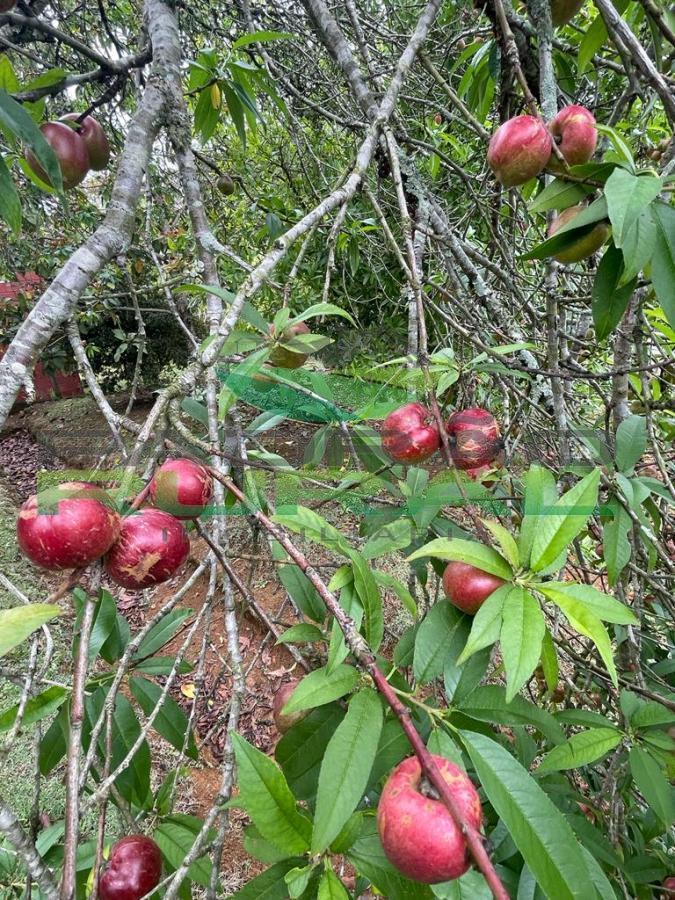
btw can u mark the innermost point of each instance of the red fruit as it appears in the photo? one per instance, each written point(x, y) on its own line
point(418, 834)
point(564, 10)
point(574, 131)
point(71, 152)
point(438, 119)
point(7, 5)
point(669, 885)
point(410, 434)
point(586, 245)
point(181, 487)
point(519, 150)
point(67, 526)
point(284, 721)
point(289, 359)
point(95, 139)
point(134, 868)
point(467, 587)
point(152, 546)
point(479, 473)
point(474, 436)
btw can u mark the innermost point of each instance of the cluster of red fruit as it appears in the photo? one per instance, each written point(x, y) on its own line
point(78, 147)
point(411, 435)
point(522, 148)
point(75, 523)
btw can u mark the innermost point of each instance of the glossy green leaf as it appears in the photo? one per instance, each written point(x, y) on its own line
point(36, 708)
point(10, 204)
point(580, 750)
point(171, 722)
point(608, 299)
point(506, 541)
point(627, 196)
point(18, 623)
point(320, 687)
point(663, 260)
point(488, 704)
point(596, 602)
point(484, 558)
point(265, 794)
point(520, 639)
point(539, 830)
point(331, 888)
point(15, 118)
point(588, 624)
point(270, 885)
point(487, 623)
point(347, 762)
point(540, 494)
point(442, 634)
point(560, 523)
point(652, 784)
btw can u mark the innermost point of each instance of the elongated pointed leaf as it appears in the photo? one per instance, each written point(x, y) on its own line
point(346, 767)
point(663, 261)
point(631, 443)
point(540, 493)
point(10, 205)
point(442, 634)
point(506, 541)
point(268, 799)
point(331, 888)
point(171, 722)
point(488, 704)
point(540, 832)
point(44, 704)
point(585, 622)
point(14, 117)
point(627, 196)
point(561, 523)
point(20, 622)
point(487, 623)
point(652, 784)
point(522, 632)
point(596, 602)
point(580, 750)
point(484, 558)
point(608, 299)
point(321, 687)
point(269, 885)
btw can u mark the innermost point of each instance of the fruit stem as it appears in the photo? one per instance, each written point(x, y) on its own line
point(366, 660)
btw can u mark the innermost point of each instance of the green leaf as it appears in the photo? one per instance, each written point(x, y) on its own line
point(171, 722)
point(303, 593)
point(175, 836)
point(650, 714)
point(397, 587)
point(627, 196)
point(441, 635)
point(596, 602)
point(484, 558)
point(488, 704)
point(540, 832)
point(638, 246)
point(505, 540)
point(540, 493)
point(580, 750)
point(162, 665)
point(261, 37)
point(14, 117)
point(312, 527)
point(268, 800)
point(663, 260)
point(321, 687)
point(487, 623)
point(270, 885)
point(347, 763)
point(560, 523)
point(20, 622)
point(10, 204)
point(588, 624)
point(301, 750)
point(331, 888)
point(549, 661)
point(323, 309)
point(36, 708)
point(391, 537)
point(608, 300)
point(369, 595)
point(297, 880)
point(248, 312)
point(558, 194)
point(652, 784)
point(302, 633)
point(522, 633)
point(161, 633)
point(616, 544)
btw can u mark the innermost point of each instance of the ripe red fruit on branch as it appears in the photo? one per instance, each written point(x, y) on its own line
point(70, 150)
point(574, 131)
point(67, 526)
point(474, 437)
point(181, 487)
point(152, 546)
point(418, 834)
point(669, 885)
point(519, 150)
point(284, 721)
point(564, 10)
point(134, 868)
point(94, 138)
point(586, 245)
point(410, 434)
point(467, 587)
point(289, 359)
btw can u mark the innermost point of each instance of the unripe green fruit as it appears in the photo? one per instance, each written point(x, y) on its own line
point(226, 185)
point(586, 245)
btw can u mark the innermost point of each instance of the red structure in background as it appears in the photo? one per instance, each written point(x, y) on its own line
point(55, 386)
